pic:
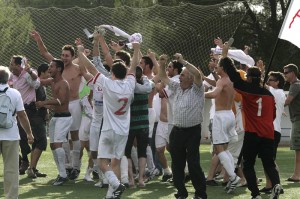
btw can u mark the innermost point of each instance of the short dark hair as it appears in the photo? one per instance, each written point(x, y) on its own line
point(42, 68)
point(69, 48)
point(125, 56)
point(59, 64)
point(227, 64)
point(292, 67)
point(177, 65)
point(17, 59)
point(279, 77)
point(119, 69)
point(255, 73)
point(148, 61)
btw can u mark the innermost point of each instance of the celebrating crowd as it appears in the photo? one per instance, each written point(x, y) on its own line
point(127, 110)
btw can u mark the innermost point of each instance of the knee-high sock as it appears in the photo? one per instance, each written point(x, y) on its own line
point(68, 160)
point(124, 170)
point(61, 162)
point(112, 179)
point(231, 158)
point(226, 162)
point(76, 155)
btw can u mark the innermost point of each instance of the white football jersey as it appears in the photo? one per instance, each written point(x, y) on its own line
point(170, 103)
point(97, 102)
point(117, 97)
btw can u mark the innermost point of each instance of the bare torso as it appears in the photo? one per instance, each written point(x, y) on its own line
point(224, 101)
point(163, 110)
point(61, 90)
point(73, 76)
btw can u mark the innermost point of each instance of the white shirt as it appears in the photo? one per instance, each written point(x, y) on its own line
point(170, 95)
point(279, 100)
point(117, 97)
point(212, 109)
point(17, 102)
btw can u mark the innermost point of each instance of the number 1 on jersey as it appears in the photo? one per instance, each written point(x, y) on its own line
point(259, 102)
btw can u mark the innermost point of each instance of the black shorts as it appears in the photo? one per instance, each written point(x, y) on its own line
point(142, 139)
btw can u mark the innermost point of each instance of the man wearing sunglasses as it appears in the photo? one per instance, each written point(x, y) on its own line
point(293, 101)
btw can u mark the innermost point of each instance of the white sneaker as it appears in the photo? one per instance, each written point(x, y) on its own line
point(87, 176)
point(99, 184)
point(233, 184)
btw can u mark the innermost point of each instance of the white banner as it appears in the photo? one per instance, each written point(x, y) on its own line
point(290, 29)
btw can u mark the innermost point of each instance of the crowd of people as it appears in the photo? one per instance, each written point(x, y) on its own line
point(126, 111)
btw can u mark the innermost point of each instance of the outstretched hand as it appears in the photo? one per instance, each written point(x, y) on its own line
point(35, 35)
point(163, 60)
point(178, 57)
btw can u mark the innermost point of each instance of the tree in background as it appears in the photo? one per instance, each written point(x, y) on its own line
point(15, 25)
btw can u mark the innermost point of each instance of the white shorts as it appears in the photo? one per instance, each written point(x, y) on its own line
point(235, 147)
point(223, 129)
point(94, 138)
point(111, 145)
point(75, 110)
point(84, 130)
point(59, 128)
point(152, 116)
point(162, 134)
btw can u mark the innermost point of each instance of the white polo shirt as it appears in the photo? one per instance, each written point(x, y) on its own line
point(17, 102)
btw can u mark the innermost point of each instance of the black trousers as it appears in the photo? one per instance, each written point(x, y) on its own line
point(184, 146)
point(254, 145)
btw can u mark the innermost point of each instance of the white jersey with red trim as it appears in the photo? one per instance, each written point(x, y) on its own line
point(97, 102)
point(117, 97)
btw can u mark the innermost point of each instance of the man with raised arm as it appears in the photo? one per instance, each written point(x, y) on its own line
point(117, 97)
point(60, 123)
point(186, 133)
point(223, 125)
point(72, 75)
point(259, 107)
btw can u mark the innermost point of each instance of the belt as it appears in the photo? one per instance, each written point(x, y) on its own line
point(63, 114)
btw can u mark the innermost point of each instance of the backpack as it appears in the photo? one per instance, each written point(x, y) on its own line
point(6, 111)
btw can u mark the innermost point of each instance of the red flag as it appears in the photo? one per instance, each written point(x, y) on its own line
point(290, 29)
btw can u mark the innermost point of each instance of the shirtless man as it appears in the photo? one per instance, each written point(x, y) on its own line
point(72, 75)
point(60, 123)
point(223, 129)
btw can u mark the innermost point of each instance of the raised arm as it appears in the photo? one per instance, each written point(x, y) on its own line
point(42, 48)
point(162, 69)
point(135, 58)
point(105, 50)
point(191, 68)
point(85, 62)
point(155, 62)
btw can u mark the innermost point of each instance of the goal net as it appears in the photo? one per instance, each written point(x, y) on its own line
point(188, 29)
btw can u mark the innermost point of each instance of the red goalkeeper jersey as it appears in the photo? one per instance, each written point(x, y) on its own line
point(259, 107)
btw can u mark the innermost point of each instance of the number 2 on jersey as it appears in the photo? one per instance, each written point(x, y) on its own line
point(120, 111)
point(259, 102)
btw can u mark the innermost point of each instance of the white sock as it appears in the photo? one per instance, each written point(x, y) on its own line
point(134, 158)
point(124, 170)
point(112, 179)
point(76, 155)
point(55, 158)
point(150, 163)
point(61, 162)
point(226, 162)
point(68, 161)
point(231, 158)
point(110, 191)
